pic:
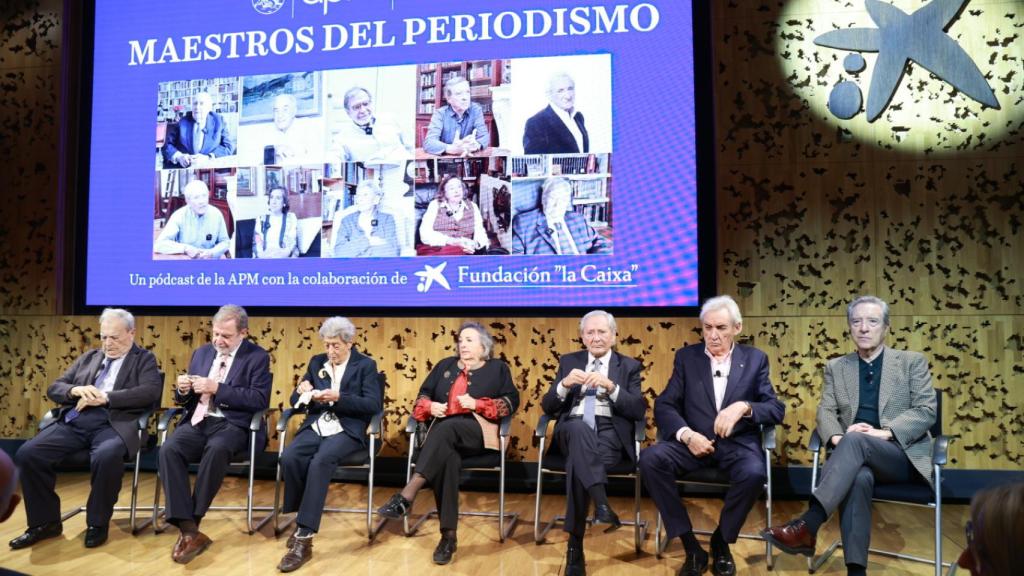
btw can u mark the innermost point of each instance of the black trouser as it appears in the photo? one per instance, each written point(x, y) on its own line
point(212, 443)
point(588, 453)
point(440, 461)
point(38, 458)
point(307, 466)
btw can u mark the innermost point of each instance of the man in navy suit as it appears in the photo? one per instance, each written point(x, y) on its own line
point(709, 416)
point(341, 392)
point(228, 381)
point(200, 136)
point(597, 398)
point(102, 396)
point(555, 228)
point(559, 127)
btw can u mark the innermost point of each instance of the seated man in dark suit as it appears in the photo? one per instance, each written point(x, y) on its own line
point(596, 397)
point(555, 228)
point(102, 396)
point(559, 127)
point(228, 381)
point(200, 136)
point(341, 392)
point(709, 415)
point(876, 409)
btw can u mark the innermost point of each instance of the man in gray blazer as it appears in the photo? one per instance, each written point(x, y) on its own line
point(876, 410)
point(101, 396)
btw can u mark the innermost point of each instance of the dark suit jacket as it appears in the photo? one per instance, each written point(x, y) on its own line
point(244, 391)
point(545, 133)
point(627, 409)
point(906, 402)
point(218, 140)
point(492, 380)
point(531, 235)
point(360, 394)
point(137, 388)
point(689, 398)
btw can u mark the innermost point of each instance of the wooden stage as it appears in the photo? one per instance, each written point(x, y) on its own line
point(341, 546)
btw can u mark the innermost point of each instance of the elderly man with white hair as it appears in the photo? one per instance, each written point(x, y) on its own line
point(709, 416)
point(559, 127)
point(195, 230)
point(101, 396)
point(340, 392)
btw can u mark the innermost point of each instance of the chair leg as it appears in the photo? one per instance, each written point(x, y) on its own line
point(938, 521)
point(538, 538)
point(639, 526)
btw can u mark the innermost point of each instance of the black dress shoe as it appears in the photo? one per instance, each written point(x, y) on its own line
point(95, 536)
point(575, 563)
point(395, 508)
point(33, 535)
point(603, 514)
point(695, 565)
point(445, 548)
point(722, 563)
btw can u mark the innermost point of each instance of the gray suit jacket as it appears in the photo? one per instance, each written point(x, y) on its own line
point(906, 402)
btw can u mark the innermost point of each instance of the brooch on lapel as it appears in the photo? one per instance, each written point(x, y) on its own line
point(323, 373)
point(447, 374)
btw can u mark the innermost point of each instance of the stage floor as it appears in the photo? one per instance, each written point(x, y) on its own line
point(341, 546)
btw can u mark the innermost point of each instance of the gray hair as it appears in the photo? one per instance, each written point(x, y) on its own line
point(607, 316)
point(486, 340)
point(720, 303)
point(550, 186)
point(556, 77)
point(452, 83)
point(194, 187)
point(373, 186)
point(121, 314)
point(868, 300)
point(338, 327)
point(232, 312)
point(351, 93)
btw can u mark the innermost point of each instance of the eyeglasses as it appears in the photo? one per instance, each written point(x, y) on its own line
point(869, 322)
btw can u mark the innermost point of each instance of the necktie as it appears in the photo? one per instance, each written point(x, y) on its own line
point(204, 401)
point(197, 137)
point(590, 399)
point(565, 242)
point(104, 368)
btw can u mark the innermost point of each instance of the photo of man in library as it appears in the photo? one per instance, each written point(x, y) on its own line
point(458, 128)
point(363, 230)
point(370, 138)
point(559, 127)
point(195, 230)
point(199, 137)
point(555, 227)
point(452, 224)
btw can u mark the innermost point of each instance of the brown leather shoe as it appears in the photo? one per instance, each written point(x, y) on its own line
point(300, 553)
point(177, 546)
point(191, 546)
point(792, 538)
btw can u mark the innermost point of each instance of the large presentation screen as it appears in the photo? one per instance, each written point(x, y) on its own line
point(392, 153)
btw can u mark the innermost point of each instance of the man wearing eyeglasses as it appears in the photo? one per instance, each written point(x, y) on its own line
point(875, 412)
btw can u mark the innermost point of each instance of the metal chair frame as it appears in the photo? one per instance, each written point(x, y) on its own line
point(506, 520)
point(254, 427)
point(639, 526)
point(767, 446)
point(940, 452)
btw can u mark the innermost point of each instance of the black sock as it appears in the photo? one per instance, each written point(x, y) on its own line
point(815, 515)
point(856, 570)
point(717, 542)
point(575, 541)
point(448, 533)
point(188, 527)
point(690, 543)
point(598, 494)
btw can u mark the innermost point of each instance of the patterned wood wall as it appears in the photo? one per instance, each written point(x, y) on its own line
point(811, 212)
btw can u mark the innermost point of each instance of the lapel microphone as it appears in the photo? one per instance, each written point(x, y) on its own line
point(718, 373)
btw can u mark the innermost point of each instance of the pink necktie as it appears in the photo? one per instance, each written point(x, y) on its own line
point(204, 401)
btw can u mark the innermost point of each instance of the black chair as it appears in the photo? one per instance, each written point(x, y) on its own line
point(80, 460)
point(917, 493)
point(240, 460)
point(490, 461)
point(554, 463)
point(716, 477)
point(362, 460)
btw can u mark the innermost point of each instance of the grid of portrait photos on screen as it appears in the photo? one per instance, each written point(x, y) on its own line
point(444, 158)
